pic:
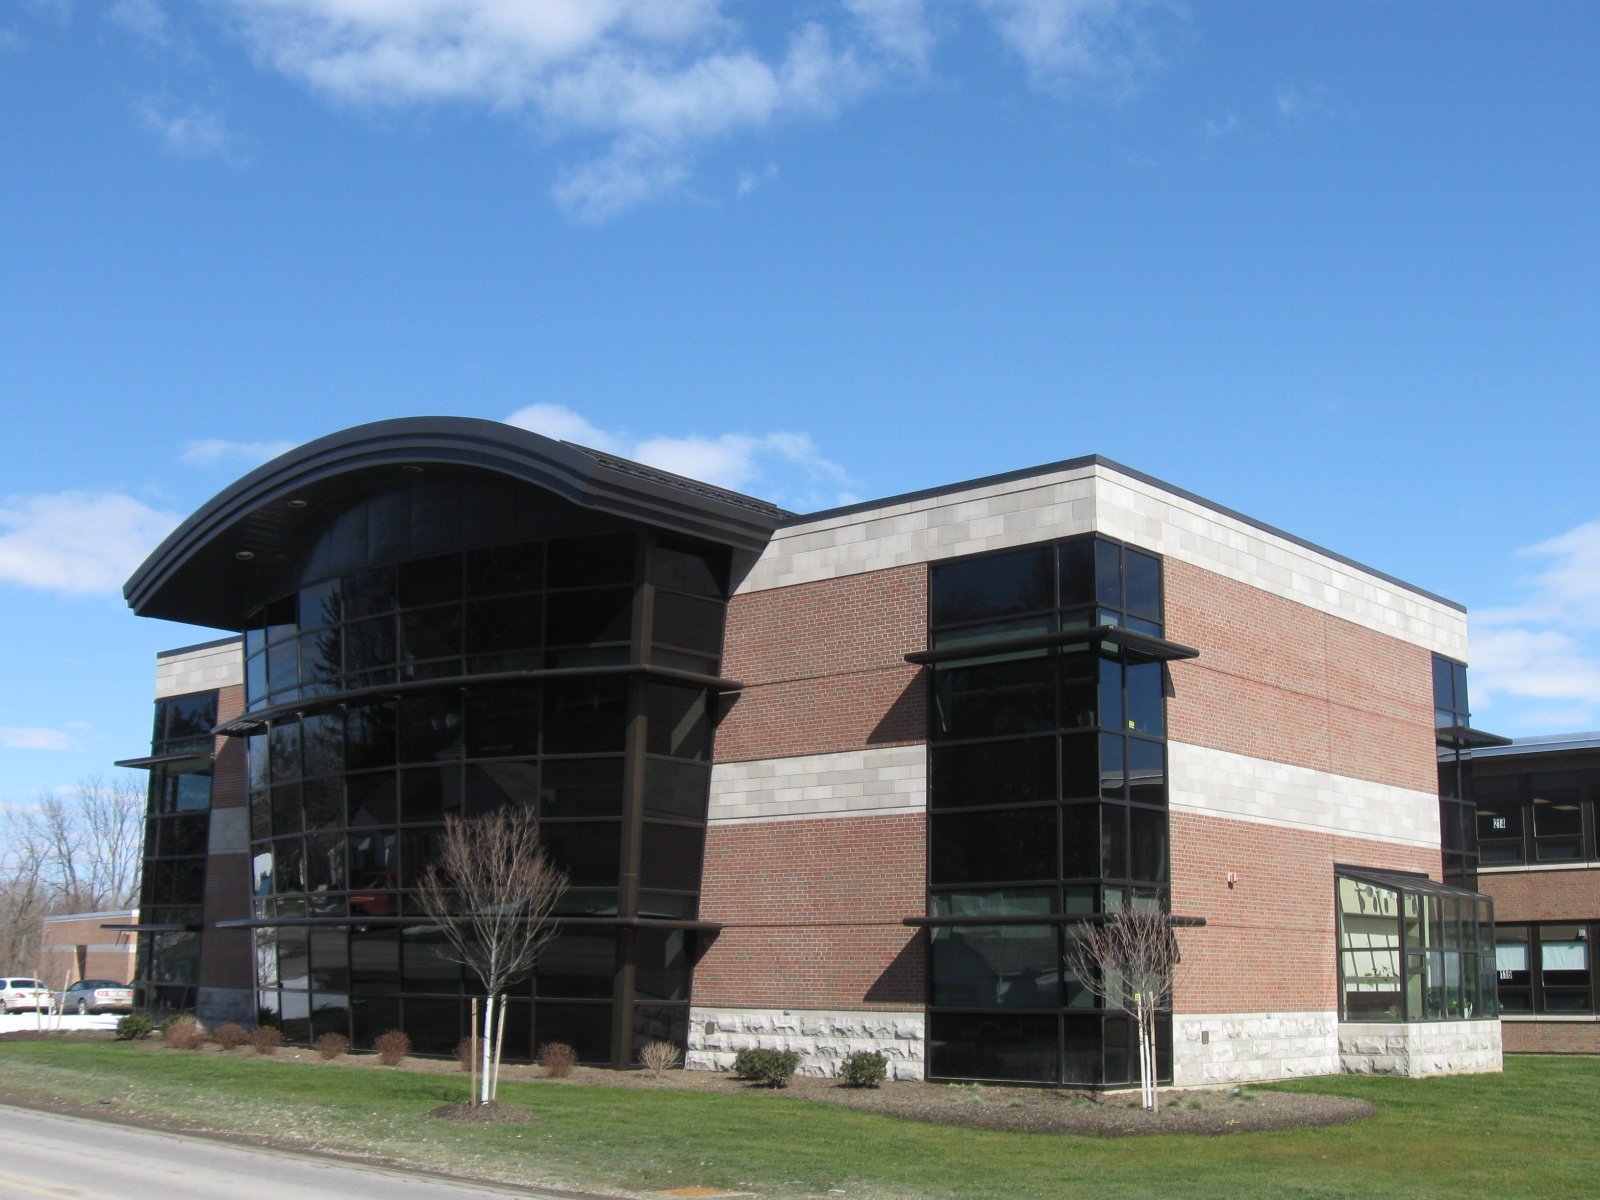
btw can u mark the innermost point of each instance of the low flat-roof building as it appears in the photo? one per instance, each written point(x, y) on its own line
point(74, 946)
point(824, 782)
point(1536, 835)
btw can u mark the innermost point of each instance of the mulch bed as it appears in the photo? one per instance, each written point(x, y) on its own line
point(1015, 1109)
point(492, 1113)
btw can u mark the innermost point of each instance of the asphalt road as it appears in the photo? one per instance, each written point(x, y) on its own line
point(69, 1158)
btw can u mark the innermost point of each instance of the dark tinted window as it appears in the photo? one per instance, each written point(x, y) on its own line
point(993, 847)
point(993, 586)
point(988, 773)
point(584, 562)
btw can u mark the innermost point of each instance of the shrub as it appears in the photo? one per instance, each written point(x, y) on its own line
point(266, 1039)
point(771, 1067)
point(184, 1033)
point(391, 1047)
point(557, 1059)
point(469, 1052)
point(660, 1057)
point(332, 1045)
point(134, 1027)
point(174, 1019)
point(230, 1036)
point(864, 1069)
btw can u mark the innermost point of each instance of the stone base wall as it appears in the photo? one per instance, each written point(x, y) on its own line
point(822, 1038)
point(1420, 1047)
point(1236, 1047)
point(217, 1006)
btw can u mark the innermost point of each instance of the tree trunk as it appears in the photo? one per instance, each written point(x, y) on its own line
point(499, 1046)
point(472, 1058)
point(488, 1040)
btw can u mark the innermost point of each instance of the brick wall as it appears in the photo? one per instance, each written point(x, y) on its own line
point(823, 666)
point(225, 954)
point(1550, 1037)
point(1281, 681)
point(1543, 895)
point(108, 954)
point(812, 912)
point(1269, 942)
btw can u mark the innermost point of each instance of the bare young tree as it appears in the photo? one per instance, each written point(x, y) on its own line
point(491, 889)
point(73, 851)
point(1129, 961)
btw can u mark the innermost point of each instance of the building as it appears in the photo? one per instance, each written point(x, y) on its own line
point(1536, 838)
point(74, 946)
point(830, 782)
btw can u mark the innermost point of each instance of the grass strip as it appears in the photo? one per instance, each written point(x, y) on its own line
point(1527, 1132)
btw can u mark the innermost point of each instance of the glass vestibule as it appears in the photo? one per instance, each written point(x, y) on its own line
point(1411, 949)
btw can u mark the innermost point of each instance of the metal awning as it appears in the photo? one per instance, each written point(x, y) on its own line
point(1465, 735)
point(579, 922)
point(1030, 919)
point(1146, 645)
point(161, 760)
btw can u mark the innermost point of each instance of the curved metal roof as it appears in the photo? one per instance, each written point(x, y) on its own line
point(194, 575)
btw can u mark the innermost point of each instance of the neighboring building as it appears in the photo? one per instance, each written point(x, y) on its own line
point(831, 782)
point(1536, 838)
point(76, 946)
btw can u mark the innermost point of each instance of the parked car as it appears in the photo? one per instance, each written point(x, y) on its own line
point(18, 994)
point(97, 996)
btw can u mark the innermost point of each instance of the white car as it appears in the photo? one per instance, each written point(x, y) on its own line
point(18, 994)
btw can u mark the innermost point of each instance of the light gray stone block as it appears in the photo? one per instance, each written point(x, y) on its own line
point(822, 1039)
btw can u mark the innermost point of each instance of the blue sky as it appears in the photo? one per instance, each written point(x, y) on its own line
point(1332, 264)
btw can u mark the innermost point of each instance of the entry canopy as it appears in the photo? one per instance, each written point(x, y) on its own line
point(202, 573)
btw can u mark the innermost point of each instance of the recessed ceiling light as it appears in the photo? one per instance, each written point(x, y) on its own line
point(245, 555)
point(297, 504)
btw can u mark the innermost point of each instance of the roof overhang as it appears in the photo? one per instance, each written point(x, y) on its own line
point(196, 575)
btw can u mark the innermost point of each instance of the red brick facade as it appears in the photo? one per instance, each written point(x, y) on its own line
point(812, 912)
point(1550, 1037)
point(77, 948)
point(1281, 681)
point(1268, 944)
point(1543, 895)
point(824, 667)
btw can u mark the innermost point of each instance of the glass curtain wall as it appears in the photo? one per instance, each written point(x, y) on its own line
point(1047, 797)
point(1413, 950)
point(459, 683)
point(1457, 815)
point(177, 826)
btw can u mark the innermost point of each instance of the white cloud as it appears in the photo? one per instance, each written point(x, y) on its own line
point(643, 85)
point(1071, 43)
point(211, 452)
point(750, 180)
point(142, 18)
point(786, 468)
point(37, 739)
point(77, 542)
point(187, 130)
point(556, 421)
point(1546, 649)
point(1216, 129)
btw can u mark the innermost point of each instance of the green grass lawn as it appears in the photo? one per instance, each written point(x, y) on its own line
point(1529, 1132)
